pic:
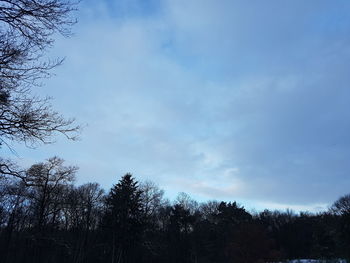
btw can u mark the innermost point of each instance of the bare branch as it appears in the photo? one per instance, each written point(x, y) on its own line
point(26, 30)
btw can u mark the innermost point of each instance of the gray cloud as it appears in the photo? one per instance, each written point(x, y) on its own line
point(228, 101)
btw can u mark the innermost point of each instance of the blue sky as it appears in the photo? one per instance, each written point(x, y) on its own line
point(228, 100)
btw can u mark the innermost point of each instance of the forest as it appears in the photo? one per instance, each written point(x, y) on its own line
point(44, 217)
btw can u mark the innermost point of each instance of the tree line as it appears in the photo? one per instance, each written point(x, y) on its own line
point(45, 217)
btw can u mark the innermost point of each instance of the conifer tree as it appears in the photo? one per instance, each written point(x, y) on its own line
point(125, 219)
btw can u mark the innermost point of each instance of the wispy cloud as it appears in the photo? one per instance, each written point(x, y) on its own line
point(234, 100)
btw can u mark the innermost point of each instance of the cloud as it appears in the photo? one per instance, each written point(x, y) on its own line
point(230, 100)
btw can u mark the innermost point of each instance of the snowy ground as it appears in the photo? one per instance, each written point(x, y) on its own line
point(316, 261)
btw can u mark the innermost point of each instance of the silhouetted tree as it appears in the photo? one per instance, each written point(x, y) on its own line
point(26, 29)
point(125, 219)
point(45, 218)
point(185, 201)
point(13, 201)
point(250, 244)
point(324, 238)
point(341, 207)
point(47, 181)
point(82, 213)
point(180, 226)
point(152, 200)
point(209, 210)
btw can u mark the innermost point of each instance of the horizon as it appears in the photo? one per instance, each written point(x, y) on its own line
point(231, 101)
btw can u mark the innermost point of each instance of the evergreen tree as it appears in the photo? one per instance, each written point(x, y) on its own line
point(124, 218)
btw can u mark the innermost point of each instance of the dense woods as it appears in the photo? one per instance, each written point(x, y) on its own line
point(44, 217)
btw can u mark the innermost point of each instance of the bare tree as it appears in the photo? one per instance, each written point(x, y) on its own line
point(209, 210)
point(186, 202)
point(341, 206)
point(9, 168)
point(13, 200)
point(26, 30)
point(152, 198)
point(84, 204)
point(48, 181)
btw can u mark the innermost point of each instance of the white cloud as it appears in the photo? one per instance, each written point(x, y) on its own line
point(229, 100)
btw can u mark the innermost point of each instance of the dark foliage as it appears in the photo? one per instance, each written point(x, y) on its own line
point(45, 218)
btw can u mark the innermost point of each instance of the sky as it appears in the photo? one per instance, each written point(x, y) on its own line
point(226, 100)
